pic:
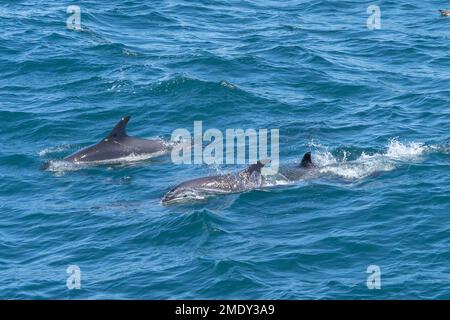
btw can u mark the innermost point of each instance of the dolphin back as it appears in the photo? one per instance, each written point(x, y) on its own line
point(306, 161)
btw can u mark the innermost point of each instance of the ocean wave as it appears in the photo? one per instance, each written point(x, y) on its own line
point(182, 83)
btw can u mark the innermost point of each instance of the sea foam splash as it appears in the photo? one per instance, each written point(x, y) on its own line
point(55, 149)
point(368, 164)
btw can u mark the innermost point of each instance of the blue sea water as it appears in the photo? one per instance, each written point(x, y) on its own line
point(373, 106)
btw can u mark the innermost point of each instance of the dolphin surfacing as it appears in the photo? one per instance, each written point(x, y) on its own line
point(201, 188)
point(116, 146)
point(300, 171)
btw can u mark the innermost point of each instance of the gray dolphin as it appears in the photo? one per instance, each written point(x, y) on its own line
point(116, 146)
point(298, 172)
point(201, 188)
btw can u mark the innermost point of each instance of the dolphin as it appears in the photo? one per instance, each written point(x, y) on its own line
point(445, 13)
point(201, 188)
point(115, 146)
point(300, 171)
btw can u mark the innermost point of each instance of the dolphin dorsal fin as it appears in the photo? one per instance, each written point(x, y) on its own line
point(306, 161)
point(256, 167)
point(119, 130)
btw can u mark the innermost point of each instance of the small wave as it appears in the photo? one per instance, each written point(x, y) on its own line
point(184, 82)
point(129, 52)
point(228, 85)
point(119, 85)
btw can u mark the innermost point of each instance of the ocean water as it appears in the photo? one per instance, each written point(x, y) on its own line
point(373, 107)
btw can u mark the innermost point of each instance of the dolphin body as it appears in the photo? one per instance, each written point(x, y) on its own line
point(201, 188)
point(116, 145)
point(248, 179)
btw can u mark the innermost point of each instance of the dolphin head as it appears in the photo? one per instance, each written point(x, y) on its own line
point(181, 193)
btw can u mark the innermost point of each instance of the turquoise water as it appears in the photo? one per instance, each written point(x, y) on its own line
point(371, 105)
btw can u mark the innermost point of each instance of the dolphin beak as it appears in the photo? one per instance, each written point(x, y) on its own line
point(168, 197)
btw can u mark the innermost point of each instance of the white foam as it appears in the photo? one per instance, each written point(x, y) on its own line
point(55, 149)
point(368, 163)
point(61, 166)
point(446, 149)
point(358, 170)
point(228, 85)
point(399, 151)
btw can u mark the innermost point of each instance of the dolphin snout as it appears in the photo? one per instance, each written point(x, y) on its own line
point(168, 197)
point(181, 195)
